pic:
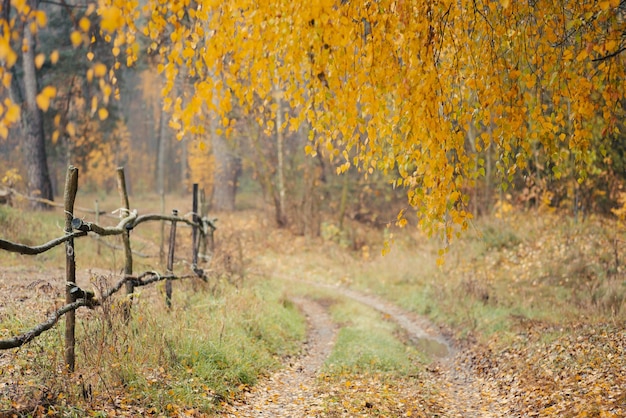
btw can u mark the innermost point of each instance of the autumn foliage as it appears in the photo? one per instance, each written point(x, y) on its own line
point(432, 93)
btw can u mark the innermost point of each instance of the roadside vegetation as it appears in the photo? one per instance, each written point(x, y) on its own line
point(534, 301)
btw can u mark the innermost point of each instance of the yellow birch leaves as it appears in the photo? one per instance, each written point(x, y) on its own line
point(396, 84)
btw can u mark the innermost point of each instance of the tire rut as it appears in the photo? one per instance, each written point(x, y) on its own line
point(291, 391)
point(466, 395)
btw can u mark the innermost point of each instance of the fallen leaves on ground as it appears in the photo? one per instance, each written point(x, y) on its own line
point(378, 395)
point(574, 372)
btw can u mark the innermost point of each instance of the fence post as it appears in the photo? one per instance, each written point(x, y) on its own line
point(128, 254)
point(71, 187)
point(170, 261)
point(202, 246)
point(162, 237)
point(98, 223)
point(194, 229)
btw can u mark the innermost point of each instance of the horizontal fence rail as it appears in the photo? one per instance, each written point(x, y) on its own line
point(202, 237)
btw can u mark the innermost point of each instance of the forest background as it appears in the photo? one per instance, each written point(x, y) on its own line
point(448, 102)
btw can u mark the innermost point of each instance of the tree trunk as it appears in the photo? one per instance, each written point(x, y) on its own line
point(227, 171)
point(281, 211)
point(183, 167)
point(38, 175)
point(161, 149)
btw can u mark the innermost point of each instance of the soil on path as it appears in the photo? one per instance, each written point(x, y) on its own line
point(291, 391)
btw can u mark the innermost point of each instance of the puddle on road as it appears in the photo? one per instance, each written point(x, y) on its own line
point(431, 347)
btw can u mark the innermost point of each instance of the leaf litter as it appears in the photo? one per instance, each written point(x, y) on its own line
point(573, 370)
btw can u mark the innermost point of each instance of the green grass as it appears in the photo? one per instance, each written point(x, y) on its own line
point(538, 267)
point(222, 336)
point(368, 343)
point(217, 340)
point(206, 350)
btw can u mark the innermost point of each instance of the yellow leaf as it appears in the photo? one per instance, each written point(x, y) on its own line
point(605, 5)
point(6, 52)
point(99, 69)
point(568, 55)
point(43, 98)
point(54, 57)
point(84, 24)
point(13, 113)
point(76, 38)
point(115, 51)
point(582, 55)
point(70, 129)
point(111, 19)
point(90, 56)
point(188, 53)
point(43, 102)
point(49, 91)
point(610, 45)
point(6, 80)
point(39, 60)
point(19, 5)
point(103, 113)
point(41, 18)
point(55, 136)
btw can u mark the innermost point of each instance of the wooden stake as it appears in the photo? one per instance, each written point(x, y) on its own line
point(202, 246)
point(194, 229)
point(71, 187)
point(128, 254)
point(98, 223)
point(170, 261)
point(162, 240)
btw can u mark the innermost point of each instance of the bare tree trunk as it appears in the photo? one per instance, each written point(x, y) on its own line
point(161, 149)
point(71, 186)
point(281, 218)
point(32, 124)
point(226, 178)
point(183, 166)
point(343, 203)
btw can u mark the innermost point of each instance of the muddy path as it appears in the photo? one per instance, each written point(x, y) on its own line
point(291, 391)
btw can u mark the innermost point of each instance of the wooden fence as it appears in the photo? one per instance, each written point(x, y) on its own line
point(76, 297)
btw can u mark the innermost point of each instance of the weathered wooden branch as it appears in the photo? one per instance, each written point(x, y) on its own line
point(195, 238)
point(82, 228)
point(170, 261)
point(124, 225)
point(53, 318)
point(38, 249)
point(128, 254)
point(159, 217)
point(71, 188)
point(143, 279)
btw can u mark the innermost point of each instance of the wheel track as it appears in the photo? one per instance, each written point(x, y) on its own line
point(290, 392)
